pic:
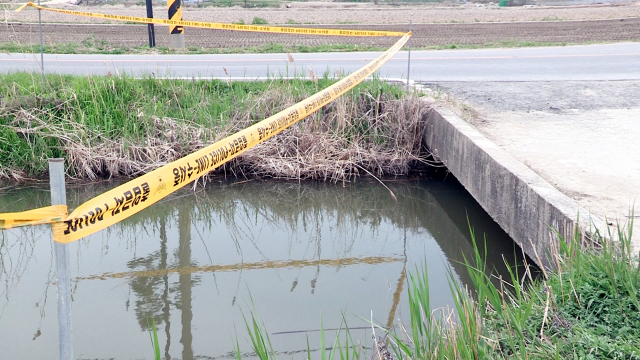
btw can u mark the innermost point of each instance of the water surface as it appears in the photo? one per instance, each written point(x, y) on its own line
point(296, 254)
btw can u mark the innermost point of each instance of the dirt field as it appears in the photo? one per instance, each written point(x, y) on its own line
point(433, 25)
point(424, 34)
point(353, 13)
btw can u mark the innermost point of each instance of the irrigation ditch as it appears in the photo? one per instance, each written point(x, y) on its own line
point(584, 302)
point(116, 127)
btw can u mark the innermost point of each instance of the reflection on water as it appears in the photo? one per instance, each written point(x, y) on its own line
point(297, 254)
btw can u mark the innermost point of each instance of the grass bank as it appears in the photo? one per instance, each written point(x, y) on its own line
point(118, 126)
point(587, 308)
point(99, 46)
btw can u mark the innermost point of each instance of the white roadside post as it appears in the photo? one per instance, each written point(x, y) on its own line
point(41, 46)
point(409, 58)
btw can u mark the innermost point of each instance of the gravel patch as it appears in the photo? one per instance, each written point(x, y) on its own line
point(550, 96)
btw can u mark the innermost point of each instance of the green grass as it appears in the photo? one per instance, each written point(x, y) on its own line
point(345, 349)
point(97, 46)
point(587, 308)
point(153, 336)
point(498, 44)
point(87, 47)
point(260, 341)
point(259, 21)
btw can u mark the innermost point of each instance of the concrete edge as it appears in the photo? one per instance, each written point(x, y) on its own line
point(525, 205)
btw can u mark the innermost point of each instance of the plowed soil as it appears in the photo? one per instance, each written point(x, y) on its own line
point(423, 34)
point(350, 13)
point(430, 25)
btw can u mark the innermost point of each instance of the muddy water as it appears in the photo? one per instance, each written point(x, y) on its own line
point(295, 254)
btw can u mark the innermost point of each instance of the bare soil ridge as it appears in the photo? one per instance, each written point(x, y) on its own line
point(424, 35)
point(349, 13)
point(433, 25)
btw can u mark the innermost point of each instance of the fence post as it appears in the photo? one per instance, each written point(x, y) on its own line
point(150, 27)
point(63, 283)
point(409, 58)
point(41, 46)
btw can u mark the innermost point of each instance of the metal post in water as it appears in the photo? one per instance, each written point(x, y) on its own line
point(41, 45)
point(63, 283)
point(409, 58)
point(186, 297)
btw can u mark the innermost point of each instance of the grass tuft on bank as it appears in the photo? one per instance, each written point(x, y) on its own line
point(108, 126)
point(586, 308)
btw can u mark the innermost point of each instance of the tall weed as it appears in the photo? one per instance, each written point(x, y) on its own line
point(586, 308)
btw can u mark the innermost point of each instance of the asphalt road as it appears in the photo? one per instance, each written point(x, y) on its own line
point(578, 63)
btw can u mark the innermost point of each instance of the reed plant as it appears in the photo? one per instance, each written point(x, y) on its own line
point(153, 336)
point(347, 349)
point(585, 308)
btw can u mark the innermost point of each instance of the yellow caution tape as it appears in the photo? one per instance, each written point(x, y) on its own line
point(221, 26)
point(136, 195)
point(44, 215)
point(125, 200)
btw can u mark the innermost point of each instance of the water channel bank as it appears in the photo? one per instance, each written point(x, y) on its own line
point(115, 126)
point(198, 259)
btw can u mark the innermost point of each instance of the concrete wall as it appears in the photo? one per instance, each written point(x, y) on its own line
point(520, 201)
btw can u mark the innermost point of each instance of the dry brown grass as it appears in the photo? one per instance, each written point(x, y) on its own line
point(380, 135)
point(353, 135)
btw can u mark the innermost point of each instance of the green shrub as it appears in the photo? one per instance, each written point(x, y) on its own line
point(259, 21)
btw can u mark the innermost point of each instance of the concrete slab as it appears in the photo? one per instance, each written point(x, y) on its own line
point(526, 206)
point(582, 139)
point(591, 156)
